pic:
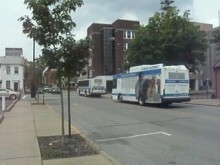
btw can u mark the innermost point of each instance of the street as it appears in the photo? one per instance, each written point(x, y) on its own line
point(182, 134)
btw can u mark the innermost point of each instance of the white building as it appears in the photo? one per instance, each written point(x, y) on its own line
point(12, 69)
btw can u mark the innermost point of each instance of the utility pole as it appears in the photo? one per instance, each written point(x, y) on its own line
point(166, 4)
point(218, 17)
point(33, 81)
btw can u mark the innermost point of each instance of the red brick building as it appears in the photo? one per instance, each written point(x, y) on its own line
point(110, 42)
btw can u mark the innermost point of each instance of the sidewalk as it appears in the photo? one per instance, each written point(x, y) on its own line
point(207, 102)
point(19, 132)
point(18, 137)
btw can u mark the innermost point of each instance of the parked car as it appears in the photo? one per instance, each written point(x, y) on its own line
point(9, 93)
point(40, 90)
point(46, 88)
point(55, 90)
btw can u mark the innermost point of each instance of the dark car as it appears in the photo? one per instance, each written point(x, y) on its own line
point(40, 90)
point(55, 90)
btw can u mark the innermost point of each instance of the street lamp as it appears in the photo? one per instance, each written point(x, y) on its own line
point(165, 4)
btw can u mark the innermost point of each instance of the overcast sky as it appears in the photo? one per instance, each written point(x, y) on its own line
point(96, 11)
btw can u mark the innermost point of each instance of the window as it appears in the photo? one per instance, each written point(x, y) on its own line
point(125, 46)
point(173, 75)
point(129, 34)
point(98, 81)
point(8, 70)
point(16, 70)
point(8, 85)
point(83, 83)
point(133, 34)
point(124, 34)
point(114, 83)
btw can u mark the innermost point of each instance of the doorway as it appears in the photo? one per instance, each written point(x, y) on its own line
point(16, 86)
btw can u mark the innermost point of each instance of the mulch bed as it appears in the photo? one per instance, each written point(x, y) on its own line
point(51, 147)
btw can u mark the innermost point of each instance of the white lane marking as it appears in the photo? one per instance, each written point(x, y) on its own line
point(24, 97)
point(134, 136)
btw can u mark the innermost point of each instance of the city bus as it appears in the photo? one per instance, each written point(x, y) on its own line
point(152, 84)
point(95, 86)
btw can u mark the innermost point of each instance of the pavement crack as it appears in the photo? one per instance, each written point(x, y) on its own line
point(149, 122)
point(22, 157)
point(159, 123)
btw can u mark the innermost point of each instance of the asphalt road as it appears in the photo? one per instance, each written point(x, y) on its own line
point(138, 135)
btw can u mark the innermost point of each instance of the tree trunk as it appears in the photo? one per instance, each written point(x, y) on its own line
point(69, 115)
point(62, 113)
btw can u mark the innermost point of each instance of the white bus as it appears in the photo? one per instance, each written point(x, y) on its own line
point(152, 84)
point(95, 86)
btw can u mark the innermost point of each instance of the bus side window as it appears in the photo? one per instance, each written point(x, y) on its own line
point(114, 83)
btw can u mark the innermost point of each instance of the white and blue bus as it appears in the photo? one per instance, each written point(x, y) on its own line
point(95, 86)
point(152, 84)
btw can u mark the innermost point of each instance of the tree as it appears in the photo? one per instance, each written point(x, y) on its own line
point(216, 39)
point(50, 26)
point(168, 38)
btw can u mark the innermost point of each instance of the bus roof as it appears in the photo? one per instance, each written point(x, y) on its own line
point(145, 67)
point(155, 66)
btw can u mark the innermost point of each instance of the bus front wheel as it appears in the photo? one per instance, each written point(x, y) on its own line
point(79, 92)
point(120, 99)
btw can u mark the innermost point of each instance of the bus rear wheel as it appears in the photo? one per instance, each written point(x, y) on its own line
point(85, 94)
point(141, 100)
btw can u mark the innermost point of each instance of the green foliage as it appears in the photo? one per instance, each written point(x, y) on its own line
point(74, 56)
point(51, 26)
point(216, 39)
point(51, 20)
point(70, 58)
point(170, 39)
point(33, 71)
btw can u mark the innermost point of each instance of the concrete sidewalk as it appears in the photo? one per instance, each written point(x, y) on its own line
point(19, 132)
point(207, 102)
point(19, 144)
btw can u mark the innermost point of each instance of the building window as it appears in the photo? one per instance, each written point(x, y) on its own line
point(129, 34)
point(124, 34)
point(8, 85)
point(8, 70)
point(125, 46)
point(16, 70)
point(133, 34)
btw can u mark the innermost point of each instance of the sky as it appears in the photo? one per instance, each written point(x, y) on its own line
point(96, 11)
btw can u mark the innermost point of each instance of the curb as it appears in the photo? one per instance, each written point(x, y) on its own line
point(213, 105)
point(8, 109)
point(90, 142)
point(2, 117)
point(97, 148)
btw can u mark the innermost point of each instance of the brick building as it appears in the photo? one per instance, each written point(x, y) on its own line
point(110, 42)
